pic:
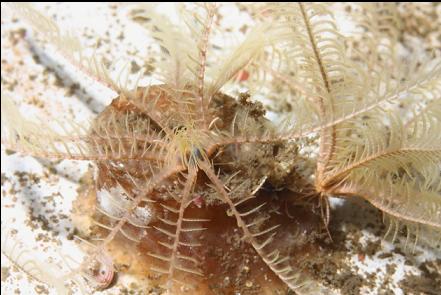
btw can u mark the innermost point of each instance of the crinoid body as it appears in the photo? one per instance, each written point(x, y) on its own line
point(195, 189)
point(180, 191)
